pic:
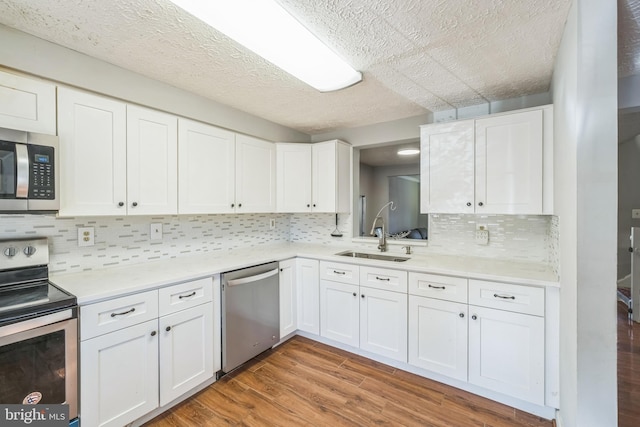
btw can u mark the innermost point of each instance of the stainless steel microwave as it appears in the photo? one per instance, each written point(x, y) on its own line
point(28, 172)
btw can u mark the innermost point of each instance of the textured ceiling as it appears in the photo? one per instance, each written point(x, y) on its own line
point(416, 56)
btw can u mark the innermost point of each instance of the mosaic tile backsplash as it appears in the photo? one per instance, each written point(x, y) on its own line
point(125, 240)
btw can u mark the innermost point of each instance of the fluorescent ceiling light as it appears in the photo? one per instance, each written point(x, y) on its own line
point(408, 151)
point(264, 27)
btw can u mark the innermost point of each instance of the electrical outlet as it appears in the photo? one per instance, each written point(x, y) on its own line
point(155, 231)
point(482, 234)
point(86, 236)
point(272, 223)
point(635, 213)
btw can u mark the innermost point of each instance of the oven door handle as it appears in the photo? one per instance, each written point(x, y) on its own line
point(22, 171)
point(37, 322)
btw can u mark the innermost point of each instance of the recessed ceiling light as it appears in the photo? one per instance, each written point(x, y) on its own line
point(408, 151)
point(267, 29)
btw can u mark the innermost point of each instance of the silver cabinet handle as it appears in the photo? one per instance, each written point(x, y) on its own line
point(124, 312)
point(339, 272)
point(188, 295)
point(243, 280)
point(383, 279)
point(504, 296)
point(437, 287)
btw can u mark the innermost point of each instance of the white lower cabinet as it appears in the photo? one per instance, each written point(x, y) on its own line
point(186, 351)
point(339, 312)
point(438, 336)
point(288, 299)
point(506, 353)
point(132, 361)
point(383, 323)
point(119, 376)
point(308, 295)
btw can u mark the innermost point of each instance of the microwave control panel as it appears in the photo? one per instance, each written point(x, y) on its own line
point(41, 172)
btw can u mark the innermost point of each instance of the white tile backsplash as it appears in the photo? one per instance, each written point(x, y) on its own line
point(125, 240)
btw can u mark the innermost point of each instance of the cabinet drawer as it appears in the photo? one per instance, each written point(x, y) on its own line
point(338, 272)
point(440, 287)
point(108, 316)
point(381, 278)
point(185, 295)
point(507, 296)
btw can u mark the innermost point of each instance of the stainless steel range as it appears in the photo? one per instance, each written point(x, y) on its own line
point(38, 329)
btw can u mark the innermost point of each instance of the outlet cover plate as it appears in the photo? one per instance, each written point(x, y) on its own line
point(272, 223)
point(635, 213)
point(86, 236)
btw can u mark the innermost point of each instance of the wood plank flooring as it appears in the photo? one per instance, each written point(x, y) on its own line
point(628, 370)
point(305, 383)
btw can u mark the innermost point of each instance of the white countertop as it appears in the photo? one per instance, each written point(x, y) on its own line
point(96, 285)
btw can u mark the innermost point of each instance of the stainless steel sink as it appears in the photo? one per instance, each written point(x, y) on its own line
point(381, 257)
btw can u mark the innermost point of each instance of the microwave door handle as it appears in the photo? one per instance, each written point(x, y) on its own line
point(22, 171)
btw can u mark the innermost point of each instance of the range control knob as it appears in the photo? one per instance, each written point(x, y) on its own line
point(29, 250)
point(10, 251)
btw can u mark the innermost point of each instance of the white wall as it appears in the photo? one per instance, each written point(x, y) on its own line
point(29, 54)
point(585, 152)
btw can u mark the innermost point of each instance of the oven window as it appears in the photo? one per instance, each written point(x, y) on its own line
point(7, 170)
point(33, 365)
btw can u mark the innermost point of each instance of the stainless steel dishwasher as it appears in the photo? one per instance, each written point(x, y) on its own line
point(250, 313)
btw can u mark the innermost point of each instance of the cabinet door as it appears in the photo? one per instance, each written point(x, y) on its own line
point(255, 175)
point(206, 168)
point(438, 336)
point(506, 353)
point(447, 168)
point(288, 299)
point(339, 312)
point(308, 294)
point(93, 154)
point(323, 181)
point(383, 323)
point(119, 376)
point(509, 163)
point(152, 162)
point(186, 351)
point(27, 104)
point(293, 177)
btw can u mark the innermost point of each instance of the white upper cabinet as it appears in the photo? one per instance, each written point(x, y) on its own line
point(255, 175)
point(314, 177)
point(509, 163)
point(223, 172)
point(93, 154)
point(206, 168)
point(152, 164)
point(27, 104)
point(294, 177)
point(499, 164)
point(447, 168)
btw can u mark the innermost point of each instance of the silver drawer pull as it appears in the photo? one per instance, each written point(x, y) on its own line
point(123, 313)
point(503, 296)
point(187, 296)
point(437, 287)
point(383, 279)
point(339, 272)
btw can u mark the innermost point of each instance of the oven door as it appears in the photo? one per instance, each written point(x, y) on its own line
point(38, 361)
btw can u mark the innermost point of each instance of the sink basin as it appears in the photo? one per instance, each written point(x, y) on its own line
point(381, 257)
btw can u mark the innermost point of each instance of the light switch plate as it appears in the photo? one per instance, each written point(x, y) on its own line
point(155, 231)
point(86, 236)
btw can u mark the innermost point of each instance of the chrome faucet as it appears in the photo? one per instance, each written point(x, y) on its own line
point(382, 243)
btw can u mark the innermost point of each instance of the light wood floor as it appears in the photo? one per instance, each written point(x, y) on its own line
point(305, 383)
point(628, 370)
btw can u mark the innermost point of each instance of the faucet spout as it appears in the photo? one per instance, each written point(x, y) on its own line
point(382, 243)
